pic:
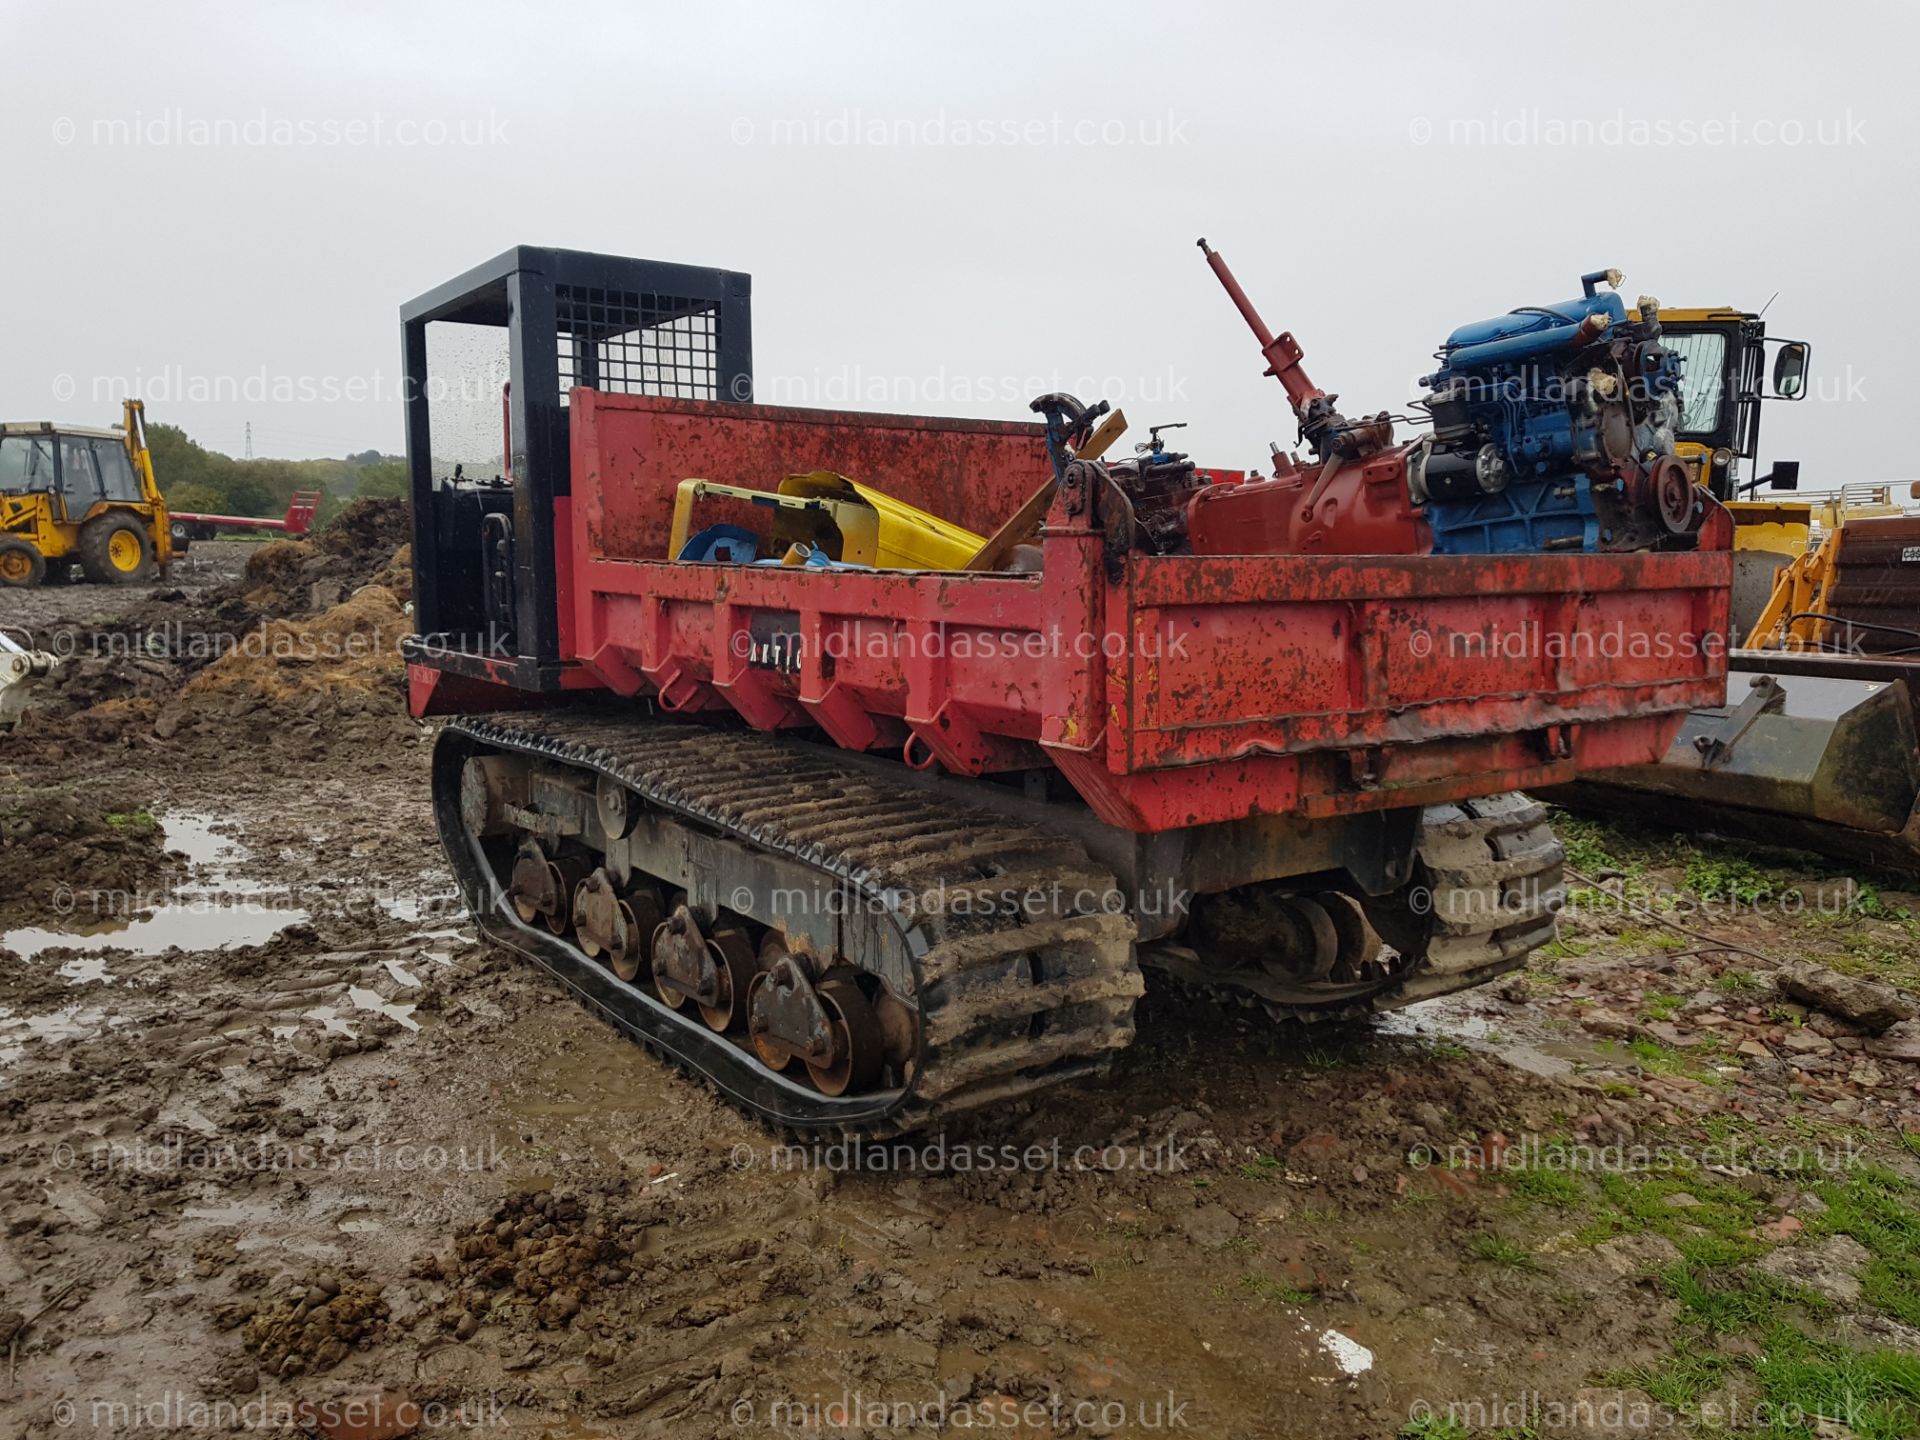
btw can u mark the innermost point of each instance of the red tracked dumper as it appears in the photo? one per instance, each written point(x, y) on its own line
point(871, 847)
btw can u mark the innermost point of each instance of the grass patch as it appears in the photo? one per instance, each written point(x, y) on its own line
point(1875, 958)
point(1728, 878)
point(1587, 843)
point(1497, 1251)
point(1725, 1211)
point(1875, 1393)
point(1555, 1188)
point(1873, 1207)
point(1651, 1056)
point(1264, 1167)
point(1564, 949)
point(1662, 1007)
point(1268, 1291)
point(132, 822)
point(1678, 1380)
point(1867, 901)
point(1727, 1301)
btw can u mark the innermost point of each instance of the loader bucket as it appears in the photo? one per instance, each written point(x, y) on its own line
point(22, 670)
point(1825, 762)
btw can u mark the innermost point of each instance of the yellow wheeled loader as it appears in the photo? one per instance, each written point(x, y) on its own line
point(1818, 747)
point(70, 494)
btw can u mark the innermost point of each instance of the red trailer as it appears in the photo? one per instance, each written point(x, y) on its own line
point(188, 528)
point(869, 847)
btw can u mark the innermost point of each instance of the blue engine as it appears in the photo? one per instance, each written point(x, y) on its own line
point(1553, 429)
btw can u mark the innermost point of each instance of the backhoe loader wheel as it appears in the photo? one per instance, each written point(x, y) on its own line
point(21, 565)
point(115, 550)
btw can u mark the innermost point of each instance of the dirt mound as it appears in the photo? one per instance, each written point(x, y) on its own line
point(309, 632)
point(543, 1252)
point(276, 564)
point(62, 846)
point(355, 645)
point(342, 663)
point(303, 1326)
point(366, 533)
point(366, 544)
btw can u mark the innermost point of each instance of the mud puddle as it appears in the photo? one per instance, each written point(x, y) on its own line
point(219, 908)
point(1517, 1039)
point(71, 1022)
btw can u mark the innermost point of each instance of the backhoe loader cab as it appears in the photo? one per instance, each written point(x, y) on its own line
point(74, 494)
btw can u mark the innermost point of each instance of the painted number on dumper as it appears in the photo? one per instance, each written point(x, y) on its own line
point(774, 641)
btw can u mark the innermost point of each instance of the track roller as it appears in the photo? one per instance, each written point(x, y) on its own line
point(681, 966)
point(732, 956)
point(607, 925)
point(858, 1049)
point(644, 903)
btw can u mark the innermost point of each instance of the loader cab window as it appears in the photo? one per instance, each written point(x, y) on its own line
point(1704, 379)
point(79, 480)
point(115, 471)
point(26, 464)
point(95, 470)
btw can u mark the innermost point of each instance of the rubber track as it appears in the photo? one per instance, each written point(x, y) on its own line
point(1494, 875)
point(1497, 876)
point(898, 847)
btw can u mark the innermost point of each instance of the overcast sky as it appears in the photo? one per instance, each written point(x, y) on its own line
point(945, 209)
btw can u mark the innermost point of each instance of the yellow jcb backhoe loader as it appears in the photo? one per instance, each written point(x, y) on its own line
point(71, 494)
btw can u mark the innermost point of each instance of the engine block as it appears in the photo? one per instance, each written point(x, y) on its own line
point(1553, 429)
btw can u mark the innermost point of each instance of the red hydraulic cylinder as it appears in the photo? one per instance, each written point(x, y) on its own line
point(1283, 351)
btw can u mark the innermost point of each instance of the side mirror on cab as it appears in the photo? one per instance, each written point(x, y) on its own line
point(1790, 371)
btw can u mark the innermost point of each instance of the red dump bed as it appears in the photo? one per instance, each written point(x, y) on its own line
point(1170, 690)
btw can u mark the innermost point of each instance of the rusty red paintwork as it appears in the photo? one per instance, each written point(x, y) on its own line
point(1187, 690)
point(1358, 507)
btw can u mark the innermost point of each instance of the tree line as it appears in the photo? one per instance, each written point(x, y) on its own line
point(202, 481)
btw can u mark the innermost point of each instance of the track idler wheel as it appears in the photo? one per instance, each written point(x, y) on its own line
point(614, 806)
point(770, 1010)
point(1358, 946)
point(530, 887)
point(784, 1015)
point(1307, 940)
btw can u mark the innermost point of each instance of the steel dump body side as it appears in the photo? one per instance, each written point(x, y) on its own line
point(1170, 690)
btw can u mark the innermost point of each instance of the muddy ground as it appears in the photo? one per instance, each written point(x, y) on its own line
point(282, 1146)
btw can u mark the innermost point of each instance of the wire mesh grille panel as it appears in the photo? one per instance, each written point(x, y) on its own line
point(638, 343)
